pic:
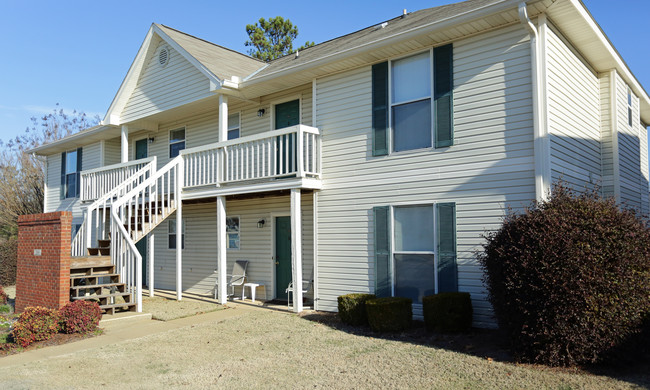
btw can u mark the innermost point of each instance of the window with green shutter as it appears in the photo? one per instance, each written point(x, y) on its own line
point(416, 110)
point(71, 162)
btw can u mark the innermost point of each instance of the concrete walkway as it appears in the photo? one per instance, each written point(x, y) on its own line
point(118, 330)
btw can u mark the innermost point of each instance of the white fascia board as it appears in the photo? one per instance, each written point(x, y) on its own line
point(74, 139)
point(621, 66)
point(192, 60)
point(112, 116)
point(485, 10)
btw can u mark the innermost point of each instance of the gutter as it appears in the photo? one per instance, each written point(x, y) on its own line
point(541, 140)
point(502, 5)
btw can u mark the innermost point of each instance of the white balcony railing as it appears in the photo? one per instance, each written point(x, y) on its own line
point(99, 181)
point(294, 151)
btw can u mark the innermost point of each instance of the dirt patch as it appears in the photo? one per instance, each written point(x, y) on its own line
point(166, 309)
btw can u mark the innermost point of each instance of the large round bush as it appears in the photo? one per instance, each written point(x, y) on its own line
point(569, 278)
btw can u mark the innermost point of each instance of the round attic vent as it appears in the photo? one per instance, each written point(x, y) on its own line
point(163, 56)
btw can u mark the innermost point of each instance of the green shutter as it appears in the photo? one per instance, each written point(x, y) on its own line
point(380, 109)
point(62, 192)
point(382, 251)
point(447, 268)
point(443, 73)
point(79, 165)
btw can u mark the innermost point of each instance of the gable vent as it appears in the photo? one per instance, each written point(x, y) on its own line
point(163, 56)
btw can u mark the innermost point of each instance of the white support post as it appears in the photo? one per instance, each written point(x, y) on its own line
point(138, 284)
point(223, 118)
point(124, 143)
point(296, 249)
point(300, 147)
point(221, 248)
point(179, 231)
point(150, 262)
point(88, 217)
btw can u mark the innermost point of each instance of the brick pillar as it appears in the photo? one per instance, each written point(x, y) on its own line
point(43, 269)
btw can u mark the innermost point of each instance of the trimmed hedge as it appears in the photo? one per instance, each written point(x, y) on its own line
point(391, 314)
point(3, 296)
point(35, 324)
point(568, 278)
point(448, 312)
point(352, 308)
point(80, 317)
point(8, 257)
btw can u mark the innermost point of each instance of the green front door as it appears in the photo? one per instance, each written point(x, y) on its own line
point(282, 256)
point(141, 152)
point(141, 149)
point(142, 249)
point(286, 114)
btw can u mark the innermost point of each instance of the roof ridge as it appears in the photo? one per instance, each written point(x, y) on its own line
point(213, 44)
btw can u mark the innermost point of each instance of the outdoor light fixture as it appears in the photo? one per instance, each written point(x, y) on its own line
point(150, 140)
point(261, 112)
point(260, 223)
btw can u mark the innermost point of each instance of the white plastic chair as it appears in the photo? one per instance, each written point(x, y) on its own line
point(306, 286)
point(236, 278)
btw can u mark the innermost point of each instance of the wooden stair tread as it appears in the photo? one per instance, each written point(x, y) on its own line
point(117, 305)
point(88, 287)
point(115, 294)
point(93, 276)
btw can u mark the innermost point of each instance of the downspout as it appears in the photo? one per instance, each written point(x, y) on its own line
point(540, 139)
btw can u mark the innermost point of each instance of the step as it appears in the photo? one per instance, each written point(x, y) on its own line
point(102, 296)
point(110, 309)
point(104, 243)
point(92, 286)
point(99, 251)
point(97, 270)
point(74, 277)
point(89, 261)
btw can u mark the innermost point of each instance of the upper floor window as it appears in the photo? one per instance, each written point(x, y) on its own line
point(176, 142)
point(233, 126)
point(629, 107)
point(70, 173)
point(411, 102)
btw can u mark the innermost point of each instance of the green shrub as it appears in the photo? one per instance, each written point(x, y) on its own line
point(3, 296)
point(448, 312)
point(80, 317)
point(392, 314)
point(352, 308)
point(35, 324)
point(568, 278)
point(8, 257)
point(5, 309)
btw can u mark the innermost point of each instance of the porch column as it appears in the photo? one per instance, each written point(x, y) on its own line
point(223, 118)
point(179, 180)
point(124, 144)
point(296, 249)
point(221, 248)
point(150, 262)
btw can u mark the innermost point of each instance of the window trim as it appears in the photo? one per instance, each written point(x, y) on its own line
point(76, 173)
point(133, 146)
point(228, 129)
point(286, 99)
point(391, 259)
point(170, 143)
point(238, 233)
point(391, 130)
point(183, 228)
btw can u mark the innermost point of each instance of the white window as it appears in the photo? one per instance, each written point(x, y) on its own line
point(232, 232)
point(233, 126)
point(411, 102)
point(413, 252)
point(171, 236)
point(71, 174)
point(176, 142)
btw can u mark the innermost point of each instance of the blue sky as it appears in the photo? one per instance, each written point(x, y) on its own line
point(76, 53)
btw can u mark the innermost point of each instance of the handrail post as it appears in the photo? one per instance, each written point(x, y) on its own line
point(299, 151)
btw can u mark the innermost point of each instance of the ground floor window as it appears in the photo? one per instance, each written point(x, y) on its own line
point(232, 232)
point(415, 250)
point(171, 236)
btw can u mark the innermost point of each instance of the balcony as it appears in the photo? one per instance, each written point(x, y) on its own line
point(278, 159)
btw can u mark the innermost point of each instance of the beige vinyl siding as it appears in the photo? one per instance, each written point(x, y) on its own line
point(573, 93)
point(489, 168)
point(91, 157)
point(256, 245)
point(112, 151)
point(607, 141)
point(162, 88)
point(629, 147)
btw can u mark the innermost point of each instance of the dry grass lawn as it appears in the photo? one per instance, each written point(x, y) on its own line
point(166, 309)
point(269, 349)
